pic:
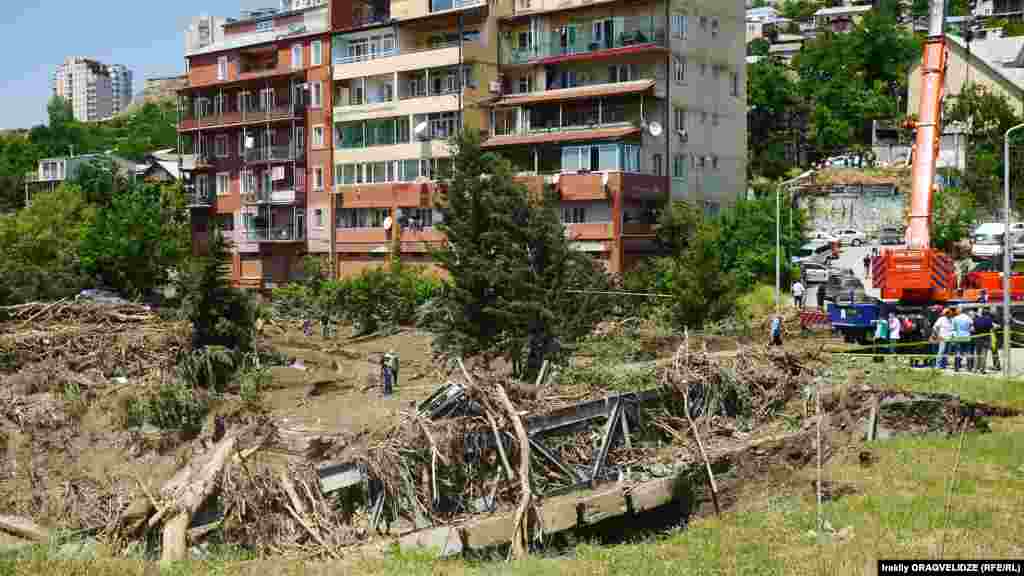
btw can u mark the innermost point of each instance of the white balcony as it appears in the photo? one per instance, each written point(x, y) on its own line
point(396, 60)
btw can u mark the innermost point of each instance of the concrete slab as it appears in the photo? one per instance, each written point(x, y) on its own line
point(446, 540)
point(602, 506)
point(651, 495)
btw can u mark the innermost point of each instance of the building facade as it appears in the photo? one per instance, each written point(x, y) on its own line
point(255, 115)
point(615, 105)
point(120, 88)
point(95, 90)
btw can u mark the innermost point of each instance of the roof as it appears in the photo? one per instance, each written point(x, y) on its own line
point(840, 10)
point(553, 137)
point(577, 92)
point(311, 25)
point(997, 53)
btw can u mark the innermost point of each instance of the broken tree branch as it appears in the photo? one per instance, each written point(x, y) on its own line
point(192, 497)
point(24, 528)
point(520, 535)
point(693, 425)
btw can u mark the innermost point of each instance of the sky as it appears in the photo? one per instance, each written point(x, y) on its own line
point(147, 36)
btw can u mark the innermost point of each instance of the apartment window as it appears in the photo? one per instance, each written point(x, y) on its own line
point(318, 218)
point(318, 136)
point(680, 65)
point(714, 162)
point(315, 94)
point(525, 84)
point(188, 65)
point(656, 162)
point(316, 53)
point(678, 166)
point(680, 22)
point(417, 218)
point(362, 217)
point(300, 138)
point(202, 184)
point(574, 215)
point(714, 119)
point(715, 70)
point(680, 114)
point(703, 117)
point(296, 56)
point(222, 68)
point(714, 27)
point(622, 73)
point(318, 178)
point(223, 183)
point(265, 26)
point(220, 145)
point(524, 41)
point(703, 68)
point(704, 23)
point(225, 222)
point(735, 84)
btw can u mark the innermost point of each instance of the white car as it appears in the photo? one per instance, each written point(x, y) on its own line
point(814, 273)
point(850, 236)
point(822, 235)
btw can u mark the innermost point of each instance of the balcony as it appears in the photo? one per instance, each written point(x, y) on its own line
point(280, 196)
point(199, 199)
point(290, 233)
point(257, 114)
point(277, 153)
point(368, 64)
point(609, 37)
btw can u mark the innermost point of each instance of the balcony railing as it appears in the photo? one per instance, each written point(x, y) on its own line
point(288, 233)
point(585, 41)
point(280, 153)
point(284, 111)
point(376, 54)
point(199, 199)
point(282, 196)
point(442, 5)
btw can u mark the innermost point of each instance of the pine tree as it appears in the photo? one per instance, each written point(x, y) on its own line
point(221, 315)
point(510, 265)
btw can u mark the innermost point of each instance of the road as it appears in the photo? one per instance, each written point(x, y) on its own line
point(852, 257)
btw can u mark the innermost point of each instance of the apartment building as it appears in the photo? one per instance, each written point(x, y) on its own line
point(254, 120)
point(88, 85)
point(615, 105)
point(120, 88)
point(620, 105)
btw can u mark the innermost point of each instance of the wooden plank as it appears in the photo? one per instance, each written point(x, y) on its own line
point(558, 515)
point(650, 495)
point(24, 528)
point(602, 506)
point(445, 540)
point(490, 532)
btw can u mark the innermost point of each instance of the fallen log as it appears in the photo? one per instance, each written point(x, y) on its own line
point(24, 528)
point(198, 489)
point(520, 539)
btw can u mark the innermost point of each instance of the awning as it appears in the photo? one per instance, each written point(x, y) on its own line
point(563, 136)
point(560, 94)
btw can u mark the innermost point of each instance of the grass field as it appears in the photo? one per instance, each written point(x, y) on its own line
point(898, 510)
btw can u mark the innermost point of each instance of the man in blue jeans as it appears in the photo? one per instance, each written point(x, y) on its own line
point(962, 328)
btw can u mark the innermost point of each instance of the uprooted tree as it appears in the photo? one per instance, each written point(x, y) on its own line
point(510, 266)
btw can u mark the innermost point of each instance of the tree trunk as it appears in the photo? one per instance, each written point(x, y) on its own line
point(192, 497)
point(519, 537)
point(24, 528)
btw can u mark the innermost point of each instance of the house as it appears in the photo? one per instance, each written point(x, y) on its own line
point(165, 166)
point(839, 19)
point(995, 63)
point(52, 172)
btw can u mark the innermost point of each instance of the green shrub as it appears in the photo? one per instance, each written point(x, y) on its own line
point(175, 405)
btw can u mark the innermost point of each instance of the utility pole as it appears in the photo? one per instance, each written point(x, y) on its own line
point(1007, 317)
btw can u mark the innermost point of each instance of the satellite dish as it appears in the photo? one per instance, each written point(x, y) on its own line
point(655, 129)
point(250, 142)
point(420, 128)
point(387, 223)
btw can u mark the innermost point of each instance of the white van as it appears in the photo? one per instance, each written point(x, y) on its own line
point(987, 242)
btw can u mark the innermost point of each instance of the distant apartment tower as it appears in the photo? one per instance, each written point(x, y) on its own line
point(96, 91)
point(120, 88)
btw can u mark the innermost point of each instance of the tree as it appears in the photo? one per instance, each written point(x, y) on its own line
point(703, 288)
point(758, 47)
point(509, 265)
point(953, 214)
point(221, 315)
point(18, 156)
point(986, 116)
point(746, 243)
point(136, 240)
point(776, 118)
point(800, 9)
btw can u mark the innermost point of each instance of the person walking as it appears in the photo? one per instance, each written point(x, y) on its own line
point(881, 337)
point(982, 340)
point(997, 339)
point(867, 265)
point(389, 371)
point(798, 294)
point(895, 326)
point(776, 331)
point(942, 333)
point(962, 339)
point(819, 294)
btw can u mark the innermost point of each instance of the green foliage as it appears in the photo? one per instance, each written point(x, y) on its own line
point(987, 116)
point(136, 240)
point(953, 214)
point(175, 405)
point(221, 315)
point(800, 9)
point(611, 375)
point(510, 265)
point(207, 367)
point(747, 241)
point(853, 78)
point(758, 47)
point(776, 113)
point(39, 247)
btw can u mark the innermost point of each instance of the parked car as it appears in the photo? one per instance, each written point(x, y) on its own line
point(851, 236)
point(889, 235)
point(814, 251)
point(840, 280)
point(823, 236)
point(1017, 249)
point(987, 241)
point(814, 272)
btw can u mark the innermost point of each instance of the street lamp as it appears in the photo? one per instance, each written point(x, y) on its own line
point(1007, 318)
point(778, 236)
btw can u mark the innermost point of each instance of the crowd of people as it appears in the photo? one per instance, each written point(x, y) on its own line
point(966, 336)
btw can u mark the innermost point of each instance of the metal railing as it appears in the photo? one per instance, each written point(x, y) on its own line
point(442, 5)
point(257, 113)
point(279, 153)
point(199, 198)
point(286, 195)
point(376, 54)
point(290, 233)
point(584, 41)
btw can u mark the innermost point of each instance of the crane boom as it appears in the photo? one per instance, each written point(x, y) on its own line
point(926, 149)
